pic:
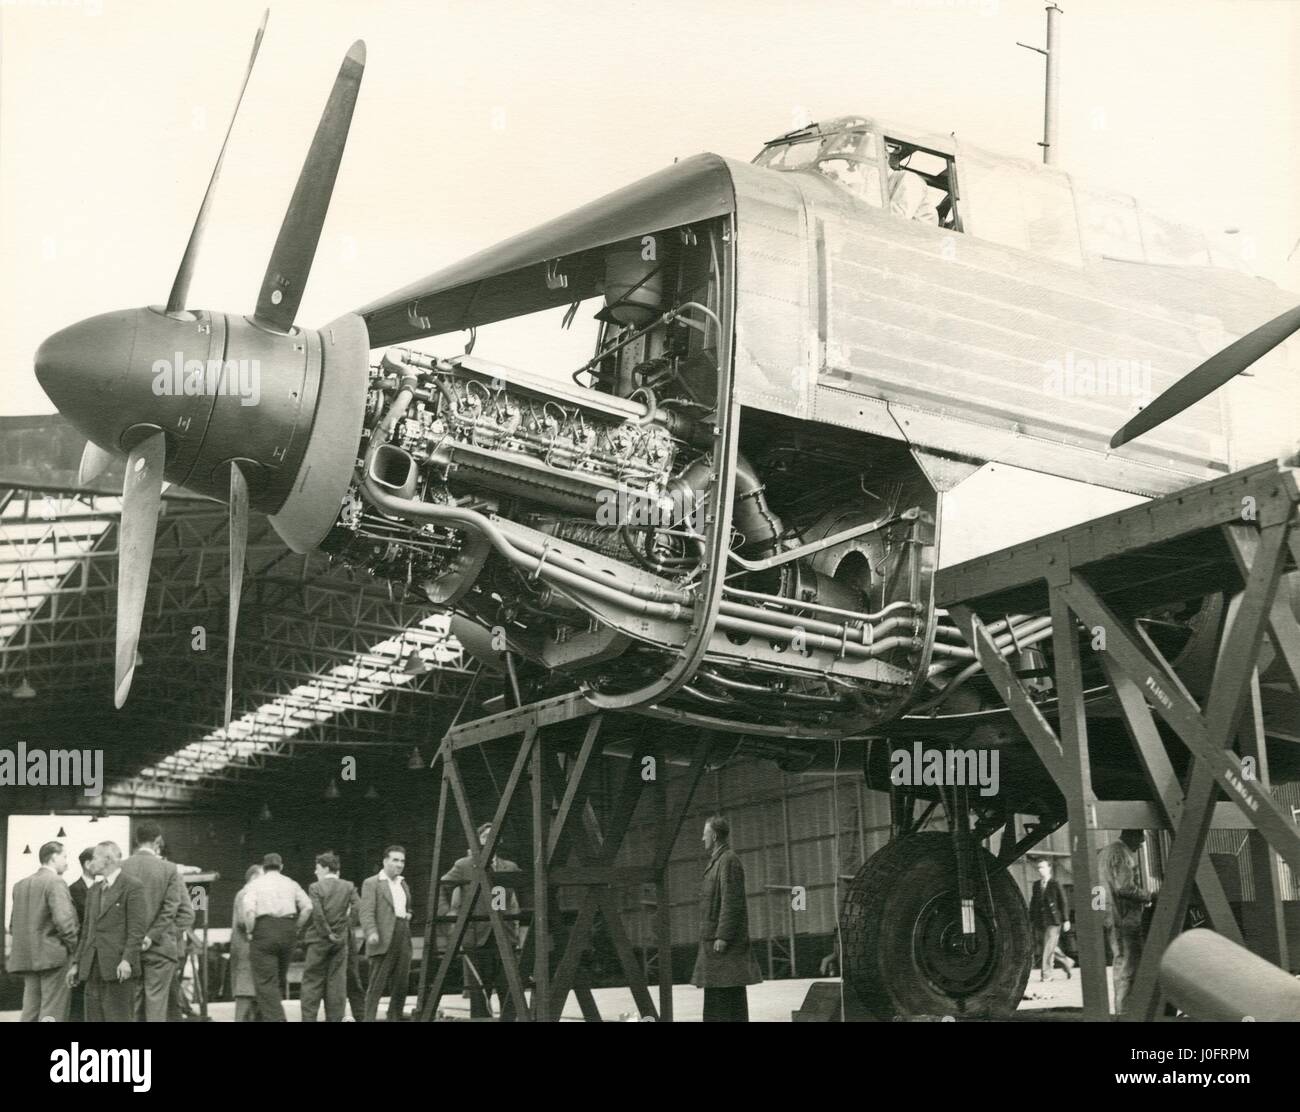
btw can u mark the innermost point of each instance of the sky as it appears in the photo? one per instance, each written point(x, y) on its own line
point(477, 120)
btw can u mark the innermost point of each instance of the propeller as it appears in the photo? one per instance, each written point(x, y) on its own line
point(295, 246)
point(289, 461)
point(1210, 375)
point(94, 462)
point(141, 501)
point(181, 284)
point(238, 543)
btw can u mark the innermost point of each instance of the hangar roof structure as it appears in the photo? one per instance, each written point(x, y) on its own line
point(324, 660)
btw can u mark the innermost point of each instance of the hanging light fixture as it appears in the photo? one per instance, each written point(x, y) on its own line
point(24, 690)
point(371, 793)
point(27, 848)
point(332, 789)
point(265, 816)
point(416, 665)
point(415, 763)
point(62, 833)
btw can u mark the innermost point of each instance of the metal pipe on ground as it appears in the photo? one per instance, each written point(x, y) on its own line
point(1209, 977)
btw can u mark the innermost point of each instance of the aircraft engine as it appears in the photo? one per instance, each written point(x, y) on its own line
point(570, 526)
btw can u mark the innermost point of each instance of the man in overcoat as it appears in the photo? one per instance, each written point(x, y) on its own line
point(725, 964)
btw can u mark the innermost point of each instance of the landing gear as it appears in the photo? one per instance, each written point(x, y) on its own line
point(904, 949)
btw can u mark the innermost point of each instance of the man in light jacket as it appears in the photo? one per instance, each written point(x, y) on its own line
point(44, 927)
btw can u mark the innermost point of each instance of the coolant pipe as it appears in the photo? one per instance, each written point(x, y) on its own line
point(801, 604)
point(860, 636)
point(1019, 636)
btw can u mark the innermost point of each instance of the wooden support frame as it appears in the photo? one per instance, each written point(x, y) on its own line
point(570, 848)
point(1254, 516)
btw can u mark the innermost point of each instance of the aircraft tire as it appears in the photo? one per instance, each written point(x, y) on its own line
point(903, 950)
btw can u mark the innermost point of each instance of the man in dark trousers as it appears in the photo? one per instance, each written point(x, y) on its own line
point(108, 958)
point(1048, 917)
point(484, 969)
point(167, 912)
point(724, 965)
point(329, 941)
point(44, 927)
point(275, 910)
point(79, 890)
point(386, 921)
point(1121, 875)
point(356, 987)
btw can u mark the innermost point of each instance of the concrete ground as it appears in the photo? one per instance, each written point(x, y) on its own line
point(772, 1001)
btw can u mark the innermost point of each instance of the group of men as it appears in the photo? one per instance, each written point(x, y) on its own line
point(273, 912)
point(1125, 898)
point(107, 947)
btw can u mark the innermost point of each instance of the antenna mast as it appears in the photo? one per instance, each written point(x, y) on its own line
point(1048, 142)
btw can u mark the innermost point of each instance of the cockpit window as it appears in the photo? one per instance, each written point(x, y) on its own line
point(850, 158)
point(921, 185)
point(853, 160)
point(790, 156)
point(914, 182)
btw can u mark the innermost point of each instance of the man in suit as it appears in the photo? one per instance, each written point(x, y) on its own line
point(167, 912)
point(108, 958)
point(329, 940)
point(1048, 917)
point(724, 965)
point(386, 921)
point(484, 969)
point(79, 890)
point(44, 927)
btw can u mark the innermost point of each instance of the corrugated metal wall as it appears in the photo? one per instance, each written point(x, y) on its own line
point(809, 831)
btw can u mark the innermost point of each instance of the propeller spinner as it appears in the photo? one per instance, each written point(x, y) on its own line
point(252, 411)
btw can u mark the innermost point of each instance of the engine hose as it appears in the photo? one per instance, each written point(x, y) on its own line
point(651, 563)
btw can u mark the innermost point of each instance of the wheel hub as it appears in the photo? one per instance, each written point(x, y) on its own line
point(956, 964)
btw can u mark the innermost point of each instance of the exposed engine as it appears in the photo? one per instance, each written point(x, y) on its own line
point(570, 523)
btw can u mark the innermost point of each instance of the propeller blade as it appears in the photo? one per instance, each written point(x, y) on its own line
point(181, 285)
point(141, 500)
point(94, 462)
point(295, 246)
point(1210, 375)
point(238, 543)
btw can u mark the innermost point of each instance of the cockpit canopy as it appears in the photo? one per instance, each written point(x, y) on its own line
point(912, 179)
